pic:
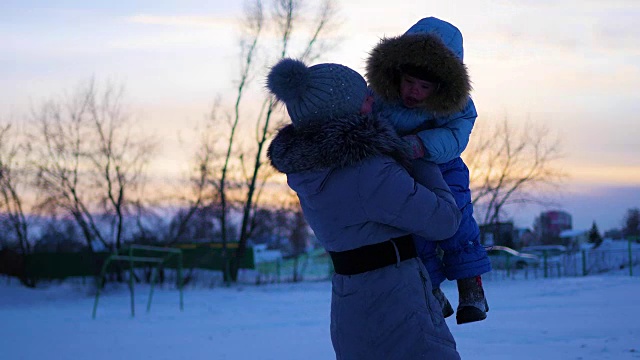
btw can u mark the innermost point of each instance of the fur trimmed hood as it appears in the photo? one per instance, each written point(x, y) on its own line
point(433, 45)
point(335, 144)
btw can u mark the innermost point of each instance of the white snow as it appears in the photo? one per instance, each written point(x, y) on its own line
point(573, 233)
point(595, 317)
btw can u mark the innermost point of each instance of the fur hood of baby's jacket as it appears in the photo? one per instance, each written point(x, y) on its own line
point(432, 45)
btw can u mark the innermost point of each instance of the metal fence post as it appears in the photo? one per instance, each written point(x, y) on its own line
point(180, 280)
point(584, 263)
point(99, 282)
point(630, 259)
point(154, 274)
point(508, 265)
point(132, 260)
point(133, 306)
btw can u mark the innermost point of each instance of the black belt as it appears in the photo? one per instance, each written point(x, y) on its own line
point(371, 257)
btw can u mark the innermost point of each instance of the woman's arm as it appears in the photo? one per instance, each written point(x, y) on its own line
point(391, 196)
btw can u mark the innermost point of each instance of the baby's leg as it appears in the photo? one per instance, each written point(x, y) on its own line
point(464, 256)
point(465, 259)
point(428, 252)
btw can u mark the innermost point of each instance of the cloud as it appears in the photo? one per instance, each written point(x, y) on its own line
point(618, 30)
point(165, 31)
point(168, 32)
point(169, 41)
point(224, 23)
point(604, 174)
point(605, 204)
point(583, 28)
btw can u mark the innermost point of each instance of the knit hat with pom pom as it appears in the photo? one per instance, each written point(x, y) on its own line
point(316, 93)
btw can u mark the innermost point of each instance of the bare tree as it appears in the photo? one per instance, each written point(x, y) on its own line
point(14, 182)
point(631, 224)
point(511, 166)
point(90, 163)
point(242, 178)
point(255, 22)
point(286, 14)
point(299, 237)
point(119, 157)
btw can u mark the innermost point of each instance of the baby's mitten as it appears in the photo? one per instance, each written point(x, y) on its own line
point(415, 145)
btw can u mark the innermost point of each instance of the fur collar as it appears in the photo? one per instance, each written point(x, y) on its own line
point(422, 50)
point(335, 143)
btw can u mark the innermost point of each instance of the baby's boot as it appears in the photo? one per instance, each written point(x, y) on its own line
point(447, 309)
point(472, 305)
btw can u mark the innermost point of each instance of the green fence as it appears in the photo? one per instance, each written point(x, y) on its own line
point(624, 258)
point(80, 264)
point(315, 265)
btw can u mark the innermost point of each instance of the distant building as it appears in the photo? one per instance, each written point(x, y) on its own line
point(548, 226)
point(574, 239)
point(615, 234)
point(497, 234)
point(505, 234)
point(262, 254)
point(523, 237)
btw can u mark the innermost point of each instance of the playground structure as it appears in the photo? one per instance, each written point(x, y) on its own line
point(129, 255)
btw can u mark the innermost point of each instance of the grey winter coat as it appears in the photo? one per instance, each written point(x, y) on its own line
point(351, 177)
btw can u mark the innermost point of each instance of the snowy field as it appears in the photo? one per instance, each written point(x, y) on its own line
point(595, 317)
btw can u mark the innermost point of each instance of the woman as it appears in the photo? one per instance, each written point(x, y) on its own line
point(351, 174)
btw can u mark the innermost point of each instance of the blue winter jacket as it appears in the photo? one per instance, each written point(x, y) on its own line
point(443, 122)
point(355, 189)
point(445, 133)
point(444, 138)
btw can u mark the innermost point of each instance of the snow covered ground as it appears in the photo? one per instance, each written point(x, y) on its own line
point(596, 317)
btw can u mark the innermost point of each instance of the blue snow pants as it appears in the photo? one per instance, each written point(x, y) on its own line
point(464, 256)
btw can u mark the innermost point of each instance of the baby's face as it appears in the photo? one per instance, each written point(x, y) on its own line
point(414, 91)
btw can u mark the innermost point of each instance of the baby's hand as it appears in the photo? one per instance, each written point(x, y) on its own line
point(416, 147)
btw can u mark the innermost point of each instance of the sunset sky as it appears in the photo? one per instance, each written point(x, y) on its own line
point(572, 65)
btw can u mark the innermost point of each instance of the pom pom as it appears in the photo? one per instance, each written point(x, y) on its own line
point(288, 79)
